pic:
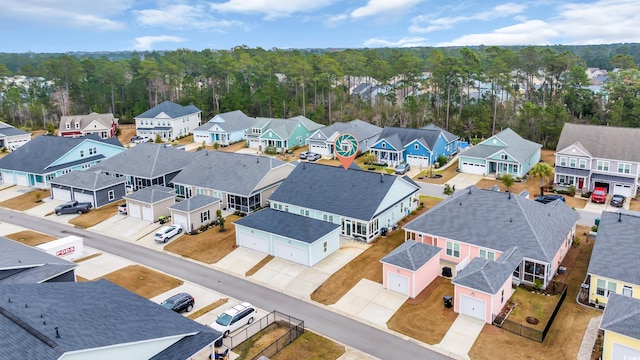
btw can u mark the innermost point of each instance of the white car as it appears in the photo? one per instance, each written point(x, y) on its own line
point(167, 232)
point(235, 318)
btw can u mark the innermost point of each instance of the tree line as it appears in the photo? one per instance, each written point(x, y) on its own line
point(470, 91)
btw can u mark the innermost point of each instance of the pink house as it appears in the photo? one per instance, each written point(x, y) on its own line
point(492, 240)
point(410, 267)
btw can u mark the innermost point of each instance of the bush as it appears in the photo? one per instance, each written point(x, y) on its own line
point(562, 192)
point(216, 145)
point(271, 150)
point(572, 190)
point(442, 159)
point(586, 195)
point(594, 228)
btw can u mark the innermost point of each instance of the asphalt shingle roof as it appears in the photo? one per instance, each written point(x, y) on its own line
point(499, 221)
point(351, 193)
point(602, 141)
point(447, 135)
point(615, 253)
point(21, 264)
point(411, 255)
point(88, 315)
point(172, 109)
point(517, 147)
point(152, 194)
point(230, 122)
point(622, 316)
point(358, 128)
point(8, 130)
point(87, 180)
point(85, 120)
point(487, 275)
point(293, 226)
point(285, 127)
point(194, 203)
point(401, 137)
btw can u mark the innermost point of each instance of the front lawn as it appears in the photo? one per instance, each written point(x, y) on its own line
point(441, 176)
point(95, 216)
point(143, 281)
point(209, 246)
point(26, 201)
point(30, 238)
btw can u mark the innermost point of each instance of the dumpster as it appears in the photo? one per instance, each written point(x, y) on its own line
point(448, 301)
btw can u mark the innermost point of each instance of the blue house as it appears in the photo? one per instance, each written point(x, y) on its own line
point(44, 158)
point(417, 147)
point(224, 129)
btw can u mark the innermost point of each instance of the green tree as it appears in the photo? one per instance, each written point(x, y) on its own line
point(543, 172)
point(507, 181)
point(448, 190)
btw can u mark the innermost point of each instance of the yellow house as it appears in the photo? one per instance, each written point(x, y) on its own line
point(613, 266)
point(621, 325)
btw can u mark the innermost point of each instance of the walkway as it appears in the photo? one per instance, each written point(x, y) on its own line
point(589, 339)
point(461, 335)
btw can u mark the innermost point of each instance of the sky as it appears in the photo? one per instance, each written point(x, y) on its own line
point(45, 26)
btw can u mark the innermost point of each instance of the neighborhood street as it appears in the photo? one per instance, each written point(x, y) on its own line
point(350, 332)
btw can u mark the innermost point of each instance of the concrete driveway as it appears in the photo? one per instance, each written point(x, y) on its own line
point(239, 261)
point(462, 181)
point(461, 335)
point(599, 208)
point(203, 296)
point(125, 227)
point(46, 207)
point(370, 302)
point(9, 191)
point(100, 265)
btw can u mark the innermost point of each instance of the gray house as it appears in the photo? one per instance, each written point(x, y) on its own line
point(322, 141)
point(150, 203)
point(194, 212)
point(94, 320)
point(22, 264)
point(85, 186)
point(11, 137)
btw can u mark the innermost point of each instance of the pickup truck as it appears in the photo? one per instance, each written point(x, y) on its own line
point(73, 207)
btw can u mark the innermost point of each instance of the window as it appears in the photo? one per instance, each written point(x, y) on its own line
point(515, 169)
point(416, 147)
point(205, 216)
point(562, 179)
point(582, 164)
point(111, 194)
point(328, 218)
point(572, 162)
point(453, 249)
point(603, 165)
point(81, 153)
point(77, 125)
point(93, 150)
point(503, 157)
point(502, 297)
point(627, 291)
point(67, 126)
point(624, 168)
point(325, 246)
point(304, 212)
point(604, 288)
point(256, 131)
point(487, 254)
point(563, 161)
point(383, 145)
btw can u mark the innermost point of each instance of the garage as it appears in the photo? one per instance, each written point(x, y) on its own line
point(619, 351)
point(60, 194)
point(180, 220)
point(473, 168)
point(398, 283)
point(417, 161)
point(291, 253)
point(84, 197)
point(623, 189)
point(473, 307)
point(253, 242)
point(147, 213)
point(602, 184)
point(22, 180)
point(134, 210)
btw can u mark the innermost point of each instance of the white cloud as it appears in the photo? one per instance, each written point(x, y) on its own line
point(431, 23)
point(377, 7)
point(144, 43)
point(272, 9)
point(404, 42)
point(335, 20)
point(182, 17)
point(533, 32)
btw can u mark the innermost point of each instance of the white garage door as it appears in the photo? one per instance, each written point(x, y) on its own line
point(471, 168)
point(147, 213)
point(21, 179)
point(320, 149)
point(134, 210)
point(253, 242)
point(417, 161)
point(61, 194)
point(622, 189)
point(291, 253)
point(180, 220)
point(619, 351)
point(84, 197)
point(473, 307)
point(398, 283)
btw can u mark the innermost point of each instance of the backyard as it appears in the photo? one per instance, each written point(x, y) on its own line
point(208, 246)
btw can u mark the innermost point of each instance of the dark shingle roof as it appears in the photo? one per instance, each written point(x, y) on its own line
point(87, 180)
point(38, 154)
point(152, 194)
point(401, 137)
point(411, 255)
point(353, 193)
point(229, 122)
point(297, 227)
point(447, 135)
point(602, 141)
point(487, 275)
point(622, 316)
point(8, 130)
point(21, 264)
point(172, 109)
point(617, 240)
point(499, 221)
point(194, 203)
point(517, 147)
point(358, 128)
point(88, 315)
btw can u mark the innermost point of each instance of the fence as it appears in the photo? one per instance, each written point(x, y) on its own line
point(296, 328)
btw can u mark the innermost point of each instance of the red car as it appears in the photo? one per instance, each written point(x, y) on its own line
point(599, 195)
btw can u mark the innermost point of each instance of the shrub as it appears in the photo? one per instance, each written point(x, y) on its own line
point(442, 159)
point(271, 150)
point(4, 149)
point(594, 228)
point(413, 212)
point(216, 145)
point(572, 190)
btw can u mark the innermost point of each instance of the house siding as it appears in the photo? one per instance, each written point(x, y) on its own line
point(102, 195)
point(317, 253)
point(418, 280)
point(611, 337)
point(602, 299)
point(461, 290)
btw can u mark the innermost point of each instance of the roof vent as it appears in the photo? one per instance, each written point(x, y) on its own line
point(257, 160)
point(619, 217)
point(9, 300)
point(381, 178)
point(510, 219)
point(57, 332)
point(26, 305)
point(509, 194)
point(460, 203)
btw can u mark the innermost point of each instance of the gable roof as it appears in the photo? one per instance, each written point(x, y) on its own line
point(517, 147)
point(293, 226)
point(447, 135)
point(358, 128)
point(229, 172)
point(617, 240)
point(285, 127)
point(104, 119)
point(602, 141)
point(229, 122)
point(401, 137)
point(172, 110)
point(95, 315)
point(352, 193)
point(194, 203)
point(8, 130)
point(488, 275)
point(152, 194)
point(148, 160)
point(622, 316)
point(21, 264)
point(411, 255)
point(499, 221)
point(38, 154)
point(87, 180)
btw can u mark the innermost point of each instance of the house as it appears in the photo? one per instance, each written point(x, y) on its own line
point(194, 212)
point(94, 320)
point(288, 236)
point(417, 147)
point(86, 186)
point(503, 153)
point(243, 182)
point(410, 268)
point(322, 140)
point(44, 158)
point(524, 242)
point(22, 264)
point(589, 156)
point(150, 203)
point(612, 266)
point(168, 120)
point(104, 125)
point(148, 164)
point(361, 202)
point(621, 326)
point(11, 137)
point(224, 129)
point(280, 134)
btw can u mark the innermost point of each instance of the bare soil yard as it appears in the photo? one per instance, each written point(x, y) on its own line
point(31, 238)
point(143, 281)
point(96, 216)
point(445, 175)
point(209, 246)
point(26, 201)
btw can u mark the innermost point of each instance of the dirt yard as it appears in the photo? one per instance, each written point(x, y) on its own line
point(143, 281)
point(96, 216)
point(209, 246)
point(126, 132)
point(446, 174)
point(30, 238)
point(26, 201)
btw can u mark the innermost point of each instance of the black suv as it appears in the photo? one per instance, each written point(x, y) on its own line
point(179, 302)
point(545, 199)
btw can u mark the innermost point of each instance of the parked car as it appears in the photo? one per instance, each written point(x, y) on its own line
point(73, 207)
point(235, 318)
point(304, 154)
point(599, 195)
point(167, 232)
point(179, 302)
point(313, 156)
point(402, 169)
point(122, 209)
point(139, 139)
point(617, 200)
point(545, 199)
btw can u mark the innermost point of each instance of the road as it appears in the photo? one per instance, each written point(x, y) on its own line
point(348, 331)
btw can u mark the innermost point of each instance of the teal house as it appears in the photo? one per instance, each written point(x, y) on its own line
point(280, 134)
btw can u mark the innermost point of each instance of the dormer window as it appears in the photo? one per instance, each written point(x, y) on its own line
point(77, 125)
point(256, 131)
point(67, 126)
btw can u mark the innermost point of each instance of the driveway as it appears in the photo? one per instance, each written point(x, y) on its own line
point(370, 302)
point(462, 180)
point(125, 227)
point(100, 265)
point(461, 335)
point(9, 191)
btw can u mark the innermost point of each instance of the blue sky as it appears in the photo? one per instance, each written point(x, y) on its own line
point(112, 25)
